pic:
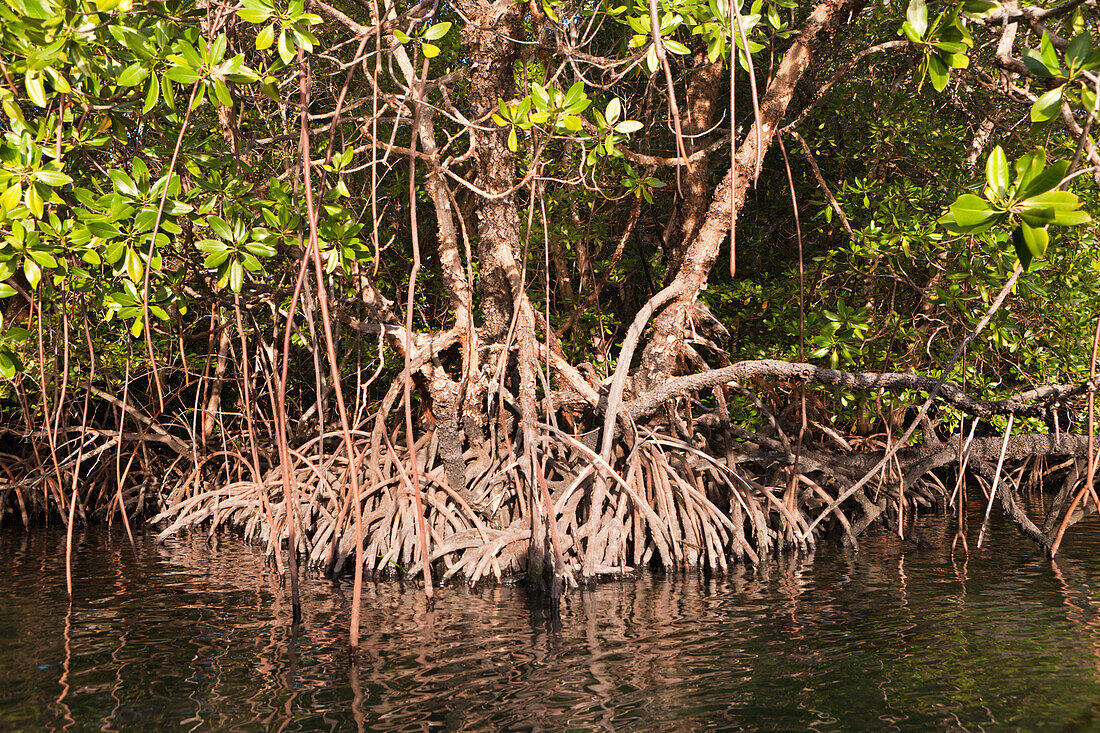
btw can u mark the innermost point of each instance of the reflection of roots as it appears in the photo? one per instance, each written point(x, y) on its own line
point(668, 505)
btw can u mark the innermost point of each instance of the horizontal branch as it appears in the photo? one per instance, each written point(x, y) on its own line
point(1021, 405)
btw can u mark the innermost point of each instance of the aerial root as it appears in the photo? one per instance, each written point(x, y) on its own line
point(666, 502)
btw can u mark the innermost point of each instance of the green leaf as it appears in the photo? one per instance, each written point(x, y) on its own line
point(152, 95)
point(937, 72)
point(436, 32)
point(140, 172)
point(10, 199)
point(32, 272)
point(1046, 180)
point(1027, 167)
point(266, 37)
point(35, 90)
point(220, 226)
point(236, 276)
point(260, 250)
point(1035, 63)
point(1053, 207)
point(1049, 56)
point(34, 201)
point(1047, 106)
point(979, 8)
point(167, 91)
point(6, 291)
point(950, 46)
point(250, 263)
point(60, 83)
point(572, 123)
point(548, 8)
point(134, 268)
point(15, 333)
point(1061, 200)
point(286, 52)
point(215, 259)
point(221, 92)
point(133, 74)
point(574, 95)
point(7, 364)
point(614, 108)
point(955, 60)
point(513, 143)
point(401, 36)
point(52, 178)
point(628, 126)
point(996, 171)
point(676, 47)
point(122, 183)
point(43, 258)
point(972, 214)
point(304, 39)
point(200, 94)
point(255, 12)
point(181, 74)
point(217, 50)
point(1078, 51)
point(1030, 243)
point(917, 16)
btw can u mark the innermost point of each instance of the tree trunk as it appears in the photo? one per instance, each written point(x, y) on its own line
point(488, 41)
point(665, 347)
point(703, 91)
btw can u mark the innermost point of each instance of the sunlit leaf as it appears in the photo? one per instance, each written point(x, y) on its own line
point(133, 74)
point(996, 171)
point(1078, 51)
point(917, 16)
point(972, 213)
point(1048, 106)
point(436, 32)
point(613, 109)
point(266, 37)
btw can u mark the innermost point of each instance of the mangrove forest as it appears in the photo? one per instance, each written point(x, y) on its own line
point(558, 291)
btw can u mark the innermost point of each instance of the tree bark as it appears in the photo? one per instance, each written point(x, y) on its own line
point(490, 45)
point(703, 91)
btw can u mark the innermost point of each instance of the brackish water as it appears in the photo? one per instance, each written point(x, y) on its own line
point(194, 636)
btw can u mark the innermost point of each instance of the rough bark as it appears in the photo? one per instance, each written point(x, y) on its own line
point(489, 43)
point(1039, 402)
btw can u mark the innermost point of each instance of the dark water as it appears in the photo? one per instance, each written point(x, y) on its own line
point(194, 637)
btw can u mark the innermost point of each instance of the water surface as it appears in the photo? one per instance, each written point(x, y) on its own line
point(197, 636)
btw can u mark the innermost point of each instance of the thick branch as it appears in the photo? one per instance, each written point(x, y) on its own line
point(1021, 404)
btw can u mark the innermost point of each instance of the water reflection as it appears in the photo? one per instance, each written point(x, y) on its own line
point(197, 636)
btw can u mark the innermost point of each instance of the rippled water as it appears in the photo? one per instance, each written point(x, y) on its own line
point(189, 636)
